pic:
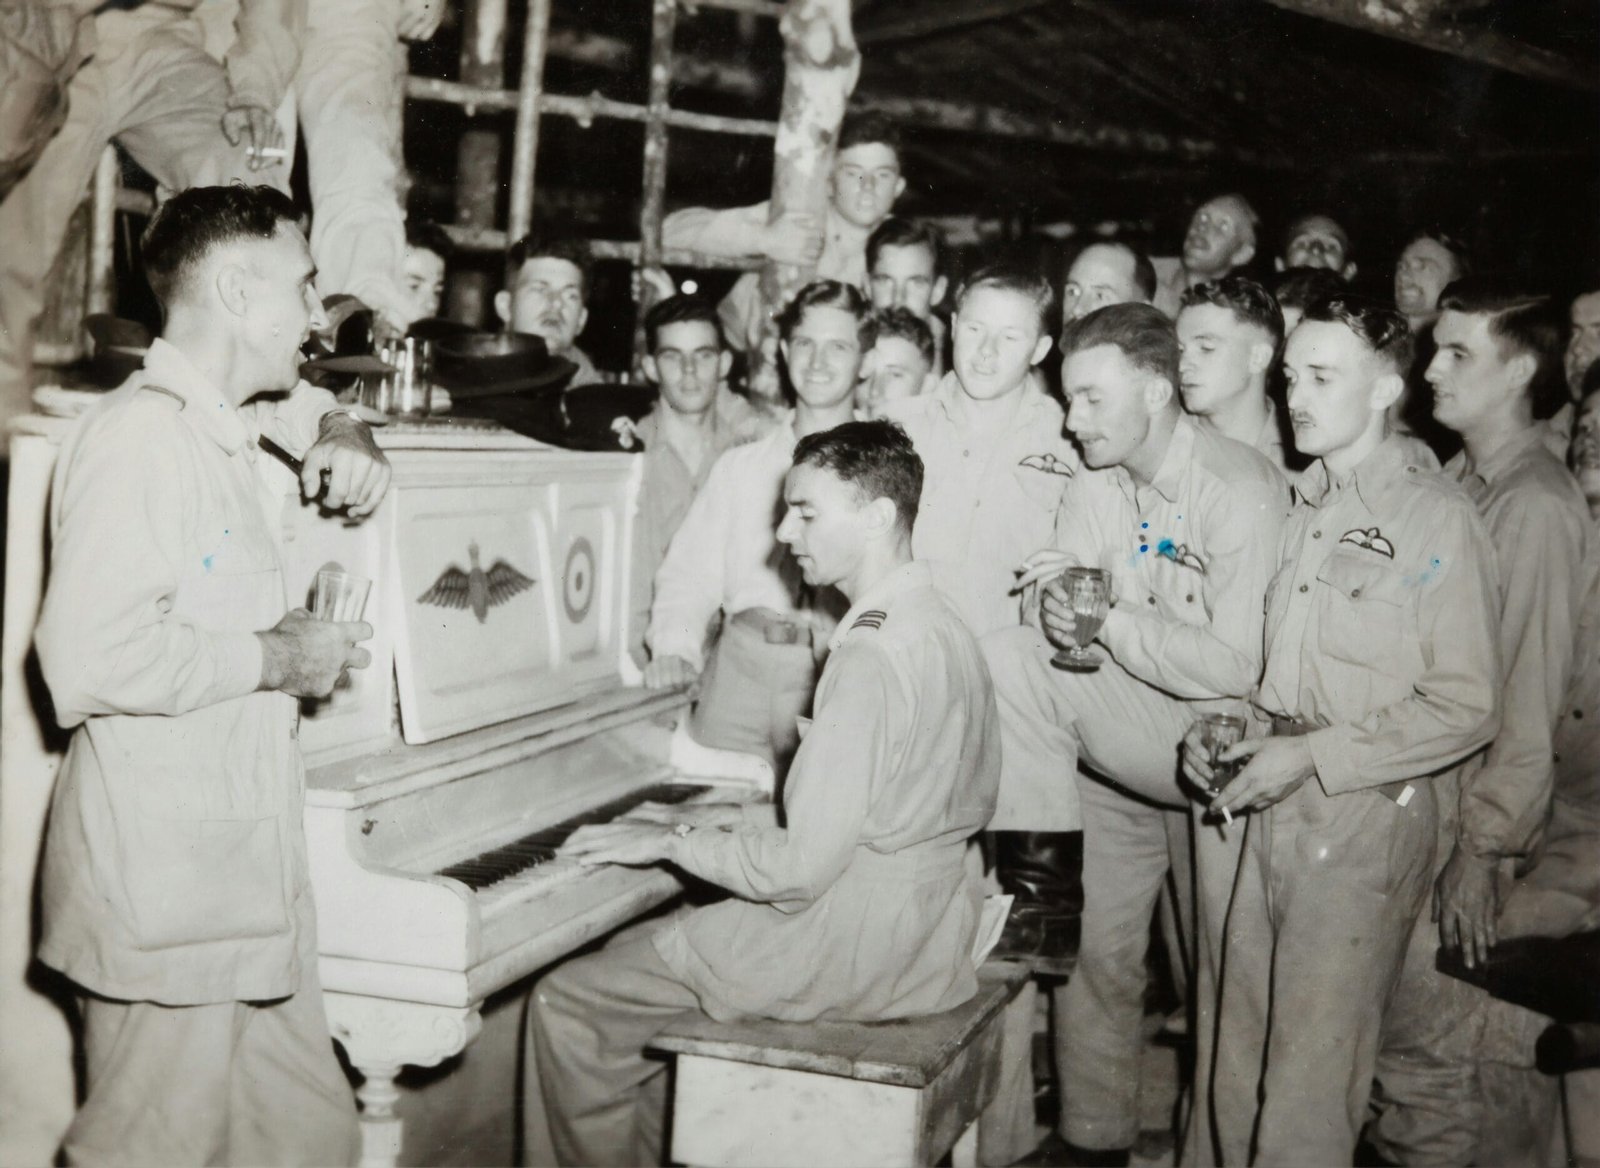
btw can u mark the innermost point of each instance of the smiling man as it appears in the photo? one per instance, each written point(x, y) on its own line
point(1429, 263)
point(1186, 524)
point(862, 188)
point(902, 361)
point(724, 558)
point(1381, 676)
point(860, 906)
point(174, 886)
point(1228, 337)
point(548, 285)
point(1496, 376)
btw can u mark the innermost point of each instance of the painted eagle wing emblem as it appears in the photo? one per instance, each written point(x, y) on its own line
point(1048, 463)
point(476, 589)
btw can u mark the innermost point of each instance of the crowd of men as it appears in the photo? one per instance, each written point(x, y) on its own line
point(1364, 525)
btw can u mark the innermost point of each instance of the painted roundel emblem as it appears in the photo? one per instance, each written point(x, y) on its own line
point(577, 588)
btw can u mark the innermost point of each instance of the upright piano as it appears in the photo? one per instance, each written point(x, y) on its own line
point(494, 718)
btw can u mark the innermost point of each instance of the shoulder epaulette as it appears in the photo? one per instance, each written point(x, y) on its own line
point(873, 618)
point(161, 389)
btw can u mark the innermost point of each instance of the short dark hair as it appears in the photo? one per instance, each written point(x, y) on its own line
point(680, 309)
point(1013, 278)
point(1249, 302)
point(1521, 323)
point(897, 232)
point(427, 235)
point(1454, 244)
point(876, 458)
point(539, 245)
point(830, 294)
point(189, 225)
point(1298, 224)
point(907, 325)
point(859, 129)
point(1381, 327)
point(1144, 272)
point(1143, 334)
point(1302, 287)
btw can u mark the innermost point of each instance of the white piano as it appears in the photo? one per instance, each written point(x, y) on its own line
point(494, 718)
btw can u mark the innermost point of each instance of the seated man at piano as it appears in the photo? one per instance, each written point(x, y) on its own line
point(174, 884)
point(725, 558)
point(855, 902)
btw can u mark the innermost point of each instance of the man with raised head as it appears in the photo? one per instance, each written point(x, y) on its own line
point(547, 286)
point(1317, 241)
point(1429, 263)
point(895, 775)
point(990, 436)
point(174, 886)
point(1496, 375)
point(725, 559)
point(903, 358)
point(1221, 239)
point(694, 420)
point(1185, 522)
point(862, 188)
point(1229, 333)
point(1106, 272)
point(1381, 676)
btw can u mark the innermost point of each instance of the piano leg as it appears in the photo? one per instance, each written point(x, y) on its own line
point(379, 1037)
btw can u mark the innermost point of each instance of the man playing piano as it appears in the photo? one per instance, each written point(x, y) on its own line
point(898, 769)
point(174, 883)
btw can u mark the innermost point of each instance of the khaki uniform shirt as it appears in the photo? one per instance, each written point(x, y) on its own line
point(860, 906)
point(666, 488)
point(174, 867)
point(1382, 623)
point(1539, 525)
point(1190, 556)
point(985, 507)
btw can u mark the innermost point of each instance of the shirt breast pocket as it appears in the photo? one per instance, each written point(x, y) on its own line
point(1364, 613)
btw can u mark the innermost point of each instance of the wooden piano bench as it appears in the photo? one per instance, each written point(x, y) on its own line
point(903, 1093)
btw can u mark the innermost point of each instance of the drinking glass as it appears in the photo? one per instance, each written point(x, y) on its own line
point(1089, 597)
point(340, 595)
point(1217, 733)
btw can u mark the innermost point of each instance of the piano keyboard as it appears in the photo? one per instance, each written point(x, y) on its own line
point(539, 847)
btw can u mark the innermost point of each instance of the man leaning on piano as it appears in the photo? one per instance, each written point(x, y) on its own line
point(174, 881)
point(859, 906)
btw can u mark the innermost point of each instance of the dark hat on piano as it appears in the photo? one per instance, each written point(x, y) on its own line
point(586, 417)
point(478, 364)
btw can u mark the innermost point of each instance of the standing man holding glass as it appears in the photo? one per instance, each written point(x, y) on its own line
point(174, 883)
point(1185, 523)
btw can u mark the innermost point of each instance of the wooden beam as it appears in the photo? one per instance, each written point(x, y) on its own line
point(919, 18)
point(1482, 46)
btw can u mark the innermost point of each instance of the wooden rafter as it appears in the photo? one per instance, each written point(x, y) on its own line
point(918, 18)
point(1480, 45)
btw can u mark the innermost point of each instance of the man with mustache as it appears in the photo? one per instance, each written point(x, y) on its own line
point(1221, 239)
point(1382, 675)
point(548, 286)
point(1496, 377)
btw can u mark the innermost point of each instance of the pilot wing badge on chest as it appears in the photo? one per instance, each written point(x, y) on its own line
point(1048, 463)
point(1370, 538)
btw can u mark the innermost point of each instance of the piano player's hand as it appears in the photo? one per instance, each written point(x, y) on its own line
point(692, 814)
point(666, 672)
point(619, 842)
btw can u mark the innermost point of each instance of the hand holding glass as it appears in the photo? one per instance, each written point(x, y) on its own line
point(340, 595)
point(1217, 733)
point(1088, 595)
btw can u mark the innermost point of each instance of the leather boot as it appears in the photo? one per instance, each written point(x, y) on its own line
point(1043, 871)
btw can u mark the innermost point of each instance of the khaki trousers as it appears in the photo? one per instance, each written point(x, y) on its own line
point(1328, 892)
point(230, 1083)
point(753, 694)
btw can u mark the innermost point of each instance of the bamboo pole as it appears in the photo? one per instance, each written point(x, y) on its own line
point(583, 110)
point(821, 64)
point(483, 69)
point(525, 147)
point(103, 234)
point(653, 197)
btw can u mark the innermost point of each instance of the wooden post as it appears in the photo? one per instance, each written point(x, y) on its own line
point(102, 234)
point(821, 64)
point(525, 146)
point(653, 200)
point(483, 64)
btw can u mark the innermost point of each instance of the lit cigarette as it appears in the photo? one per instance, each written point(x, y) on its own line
point(1226, 814)
point(269, 152)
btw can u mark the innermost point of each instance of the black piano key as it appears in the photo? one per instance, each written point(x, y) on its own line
point(539, 847)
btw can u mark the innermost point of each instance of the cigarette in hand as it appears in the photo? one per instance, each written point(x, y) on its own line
point(268, 152)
